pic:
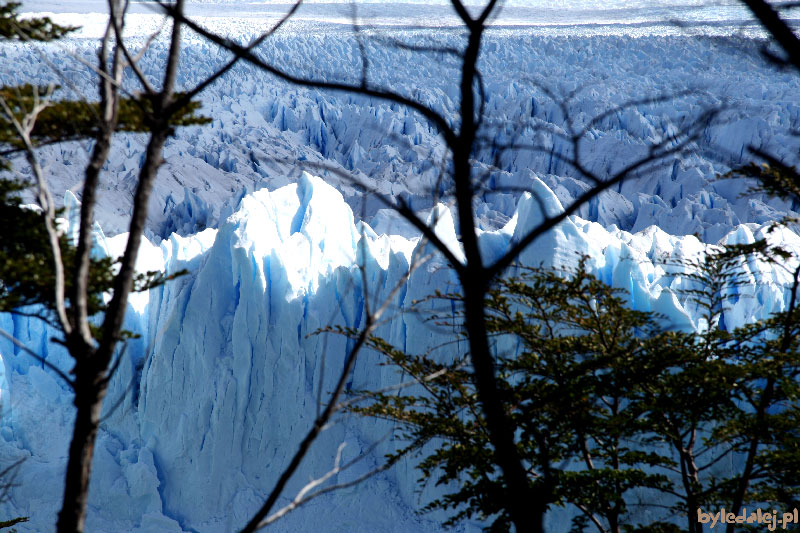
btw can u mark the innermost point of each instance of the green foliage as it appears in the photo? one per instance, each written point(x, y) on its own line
point(67, 120)
point(774, 178)
point(27, 276)
point(36, 29)
point(138, 114)
point(718, 274)
point(608, 403)
point(30, 29)
point(26, 260)
point(144, 281)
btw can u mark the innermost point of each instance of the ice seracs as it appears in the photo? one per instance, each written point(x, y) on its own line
point(265, 132)
point(222, 382)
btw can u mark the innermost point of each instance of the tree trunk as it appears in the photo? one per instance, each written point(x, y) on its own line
point(92, 364)
point(525, 506)
point(88, 401)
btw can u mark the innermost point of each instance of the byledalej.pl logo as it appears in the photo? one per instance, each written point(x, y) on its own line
point(772, 520)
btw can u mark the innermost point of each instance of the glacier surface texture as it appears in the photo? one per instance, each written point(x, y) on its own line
point(209, 403)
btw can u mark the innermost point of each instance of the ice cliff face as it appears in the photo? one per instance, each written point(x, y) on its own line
point(222, 384)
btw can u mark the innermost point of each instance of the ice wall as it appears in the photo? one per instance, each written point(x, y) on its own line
point(223, 383)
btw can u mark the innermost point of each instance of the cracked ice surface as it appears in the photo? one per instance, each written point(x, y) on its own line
point(264, 132)
point(223, 382)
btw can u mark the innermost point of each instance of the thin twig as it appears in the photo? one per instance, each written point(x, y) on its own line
point(24, 128)
point(38, 357)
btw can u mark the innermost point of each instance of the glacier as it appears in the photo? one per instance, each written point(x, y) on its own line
point(265, 132)
point(210, 401)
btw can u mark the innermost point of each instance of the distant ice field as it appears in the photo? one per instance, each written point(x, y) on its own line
point(265, 132)
point(571, 16)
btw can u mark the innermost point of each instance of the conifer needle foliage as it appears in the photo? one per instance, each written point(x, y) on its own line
point(631, 425)
point(26, 262)
point(26, 256)
point(31, 29)
point(68, 120)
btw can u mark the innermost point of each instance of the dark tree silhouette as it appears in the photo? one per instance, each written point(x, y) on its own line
point(526, 504)
point(64, 279)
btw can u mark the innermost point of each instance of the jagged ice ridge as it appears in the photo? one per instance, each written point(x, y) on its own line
point(222, 382)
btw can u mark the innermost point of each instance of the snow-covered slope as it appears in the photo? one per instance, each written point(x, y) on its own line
point(440, 12)
point(222, 384)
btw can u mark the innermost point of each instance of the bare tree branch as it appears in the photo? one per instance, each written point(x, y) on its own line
point(24, 128)
point(186, 98)
point(304, 497)
point(657, 155)
point(385, 94)
point(108, 89)
point(778, 28)
point(371, 324)
point(60, 373)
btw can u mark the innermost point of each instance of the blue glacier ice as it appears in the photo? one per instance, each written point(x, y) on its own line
point(209, 402)
point(265, 132)
point(223, 382)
